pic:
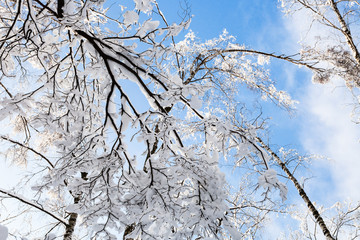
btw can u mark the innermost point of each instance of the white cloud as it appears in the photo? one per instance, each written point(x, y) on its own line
point(328, 130)
point(325, 129)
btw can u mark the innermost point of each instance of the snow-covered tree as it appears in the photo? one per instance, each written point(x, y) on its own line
point(121, 128)
point(334, 50)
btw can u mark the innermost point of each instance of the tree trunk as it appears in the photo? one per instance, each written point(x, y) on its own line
point(301, 191)
point(60, 10)
point(128, 230)
point(70, 227)
point(346, 32)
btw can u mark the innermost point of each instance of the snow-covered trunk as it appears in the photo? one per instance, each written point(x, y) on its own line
point(70, 227)
point(346, 31)
point(301, 191)
point(129, 229)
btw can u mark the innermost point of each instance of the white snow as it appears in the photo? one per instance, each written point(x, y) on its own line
point(130, 17)
point(268, 179)
point(148, 26)
point(144, 6)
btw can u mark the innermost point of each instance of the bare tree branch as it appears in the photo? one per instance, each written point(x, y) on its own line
point(27, 202)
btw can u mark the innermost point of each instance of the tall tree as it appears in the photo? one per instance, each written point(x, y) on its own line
point(336, 48)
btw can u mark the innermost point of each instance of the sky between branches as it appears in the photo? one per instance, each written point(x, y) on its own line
point(322, 124)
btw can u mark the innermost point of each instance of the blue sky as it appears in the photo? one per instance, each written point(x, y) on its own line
point(322, 124)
